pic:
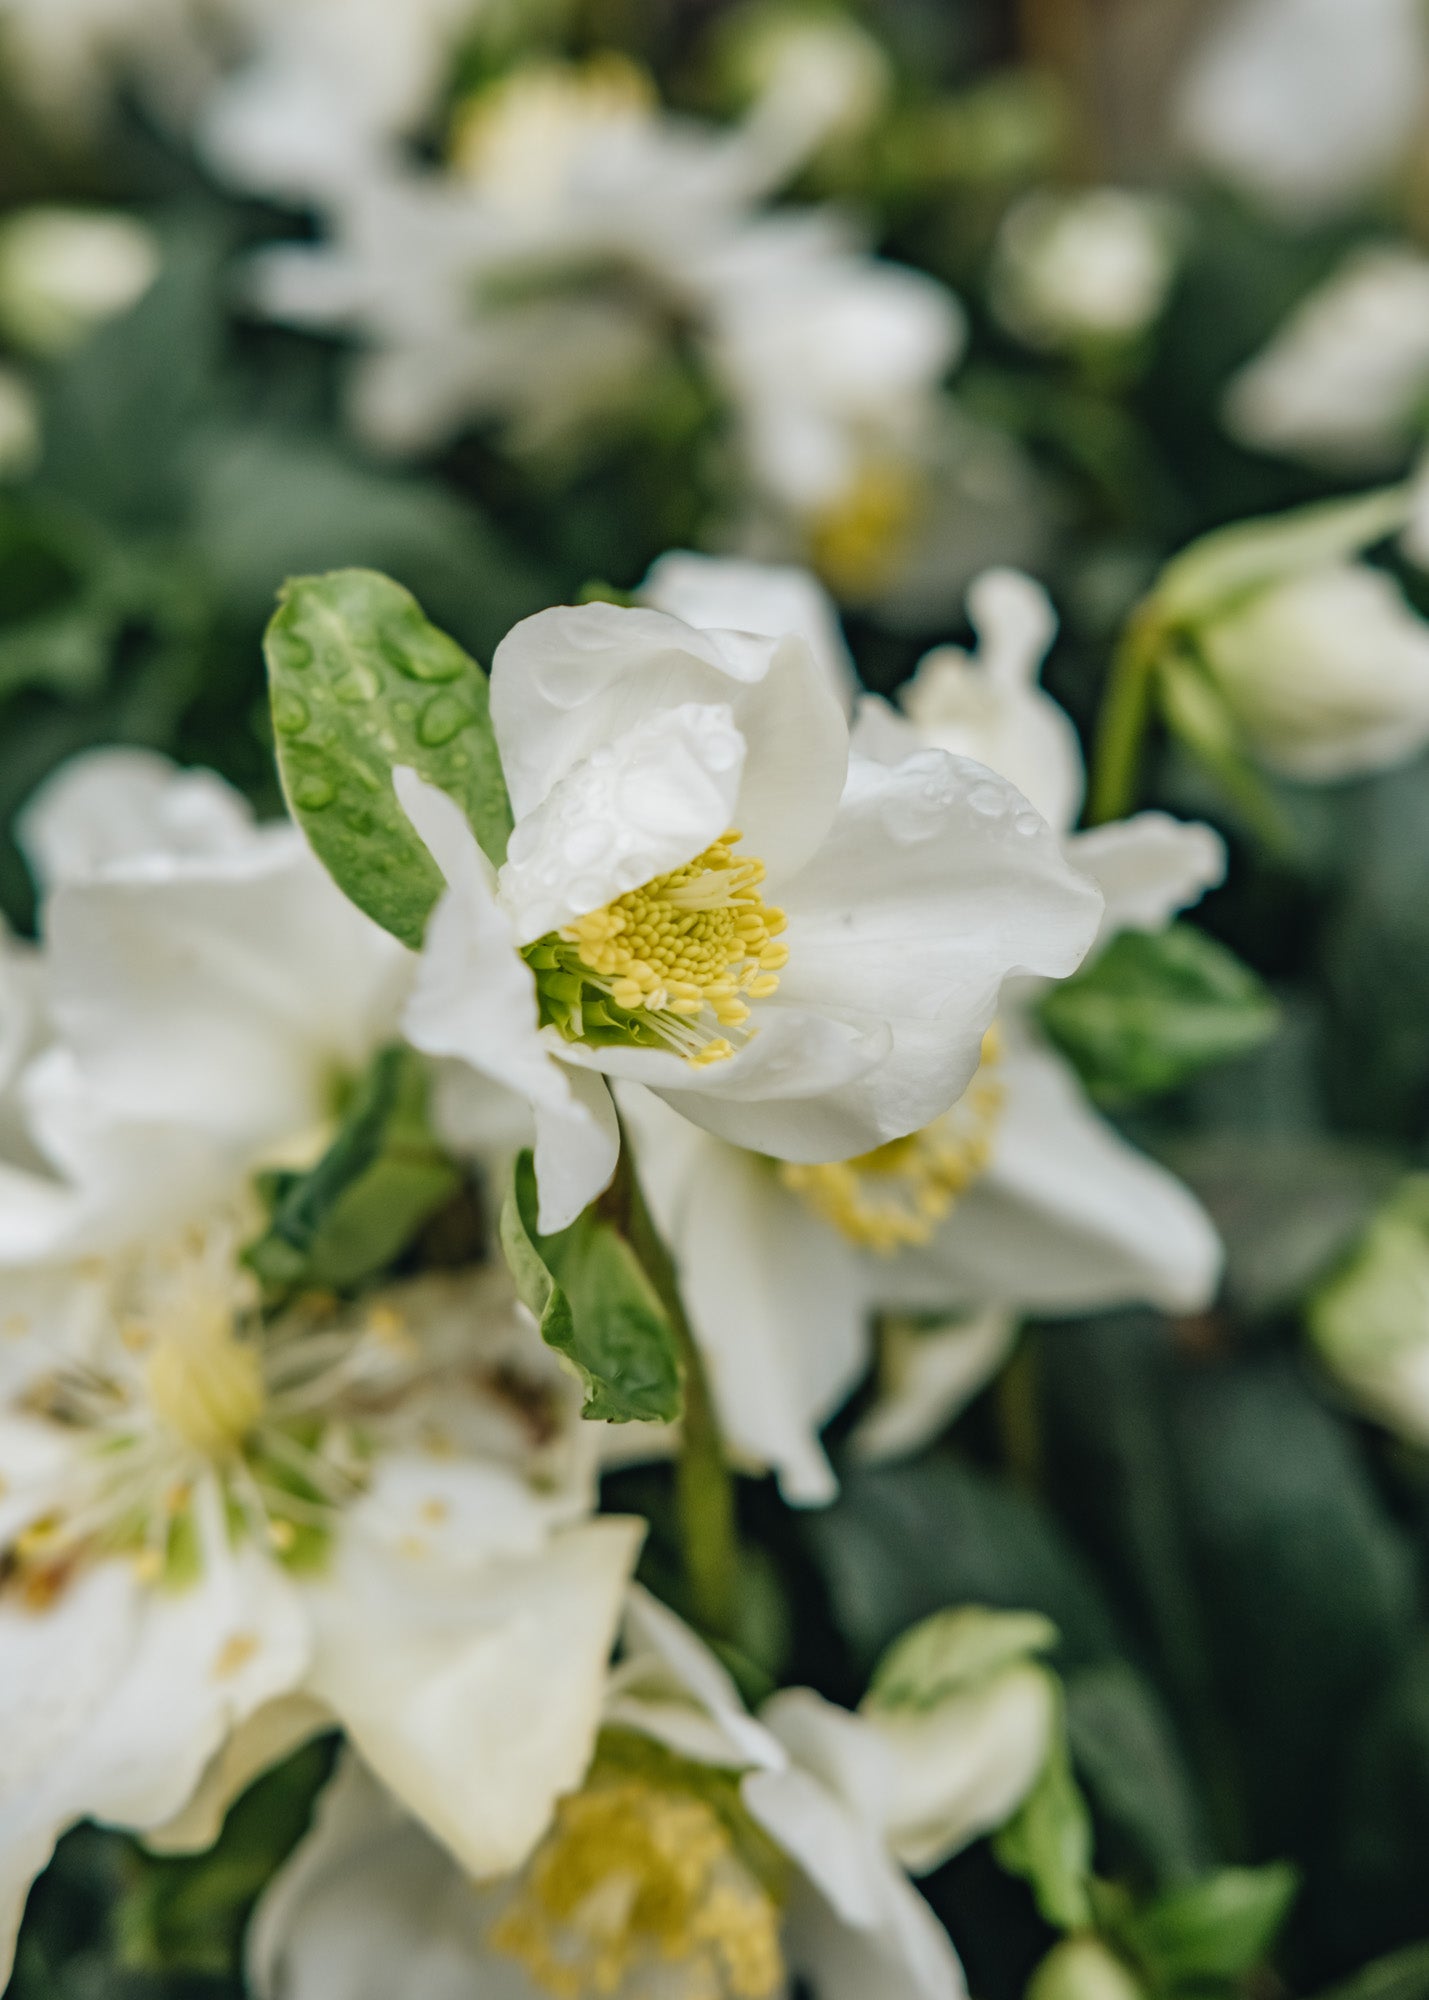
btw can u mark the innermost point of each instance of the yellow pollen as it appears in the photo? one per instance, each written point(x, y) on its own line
point(895, 1197)
point(206, 1385)
point(699, 939)
point(857, 541)
point(634, 1880)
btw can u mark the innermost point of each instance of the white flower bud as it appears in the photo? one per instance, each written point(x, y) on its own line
point(1371, 1321)
point(1082, 1969)
point(1326, 672)
point(1091, 267)
point(63, 271)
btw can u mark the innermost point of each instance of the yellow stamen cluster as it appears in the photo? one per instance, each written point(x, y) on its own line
point(701, 937)
point(636, 1881)
point(205, 1384)
point(857, 541)
point(895, 1197)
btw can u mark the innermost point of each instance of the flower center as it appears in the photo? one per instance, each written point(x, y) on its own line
point(857, 541)
point(637, 1887)
point(206, 1385)
point(669, 964)
point(895, 1197)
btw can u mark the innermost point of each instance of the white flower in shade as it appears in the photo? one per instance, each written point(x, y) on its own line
point(1370, 1320)
point(64, 271)
point(326, 87)
point(1090, 268)
point(1326, 672)
point(203, 971)
point(706, 1853)
point(221, 1536)
point(1307, 105)
point(1345, 382)
point(1018, 1198)
point(668, 785)
point(19, 426)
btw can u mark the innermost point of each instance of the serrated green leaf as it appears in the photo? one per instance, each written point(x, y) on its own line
point(595, 1306)
point(1048, 1840)
point(381, 1178)
point(1152, 1010)
point(954, 1650)
point(361, 682)
point(1215, 1929)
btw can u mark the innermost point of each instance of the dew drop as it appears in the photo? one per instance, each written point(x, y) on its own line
point(290, 713)
point(1027, 824)
point(987, 801)
point(297, 652)
point(357, 685)
point(358, 822)
point(313, 792)
point(446, 665)
point(444, 717)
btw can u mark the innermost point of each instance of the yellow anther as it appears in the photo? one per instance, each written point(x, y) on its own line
point(895, 1197)
point(634, 1880)
point(698, 940)
point(858, 540)
point(206, 1385)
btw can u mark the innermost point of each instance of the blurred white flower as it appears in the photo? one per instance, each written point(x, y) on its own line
point(1307, 105)
point(68, 56)
point(64, 271)
point(221, 1537)
point(20, 437)
point(1018, 1198)
point(813, 76)
point(1345, 382)
point(628, 933)
point(1370, 1320)
point(1086, 268)
point(706, 1852)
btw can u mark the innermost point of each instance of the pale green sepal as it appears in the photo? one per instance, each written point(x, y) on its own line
point(361, 682)
point(1232, 563)
point(1083, 1968)
point(953, 1651)
point(1376, 1305)
point(1048, 1840)
point(596, 1307)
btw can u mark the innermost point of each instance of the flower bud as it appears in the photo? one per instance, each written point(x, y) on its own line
point(1082, 1969)
point(1083, 269)
point(1370, 1322)
point(64, 271)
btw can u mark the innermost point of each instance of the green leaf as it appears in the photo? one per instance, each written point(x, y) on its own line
point(1152, 1010)
point(953, 1650)
point(362, 682)
point(1401, 1975)
point(382, 1177)
point(1048, 1840)
point(1215, 1929)
point(596, 1307)
point(1133, 1771)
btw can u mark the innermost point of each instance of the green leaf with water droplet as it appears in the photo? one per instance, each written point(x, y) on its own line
point(361, 682)
point(596, 1307)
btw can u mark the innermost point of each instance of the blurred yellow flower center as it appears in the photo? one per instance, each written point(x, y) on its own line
point(700, 939)
point(520, 135)
point(895, 1197)
point(205, 1384)
point(638, 1889)
point(857, 541)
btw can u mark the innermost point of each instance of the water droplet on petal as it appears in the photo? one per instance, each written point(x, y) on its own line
point(1027, 824)
point(988, 801)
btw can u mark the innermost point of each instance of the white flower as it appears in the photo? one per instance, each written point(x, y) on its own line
point(1090, 267)
point(1308, 105)
point(327, 87)
point(666, 783)
point(68, 56)
point(1326, 672)
point(19, 426)
point(1370, 1321)
point(1345, 382)
point(705, 1853)
point(63, 271)
point(1018, 1198)
point(220, 1537)
point(203, 971)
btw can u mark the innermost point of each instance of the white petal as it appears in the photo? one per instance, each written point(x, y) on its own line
point(1068, 1217)
point(937, 883)
point(963, 1766)
point(576, 1150)
point(926, 1376)
point(1148, 868)
point(569, 682)
point(670, 1686)
point(907, 1956)
point(775, 1298)
point(269, 1736)
point(474, 1696)
point(109, 809)
point(638, 807)
point(721, 593)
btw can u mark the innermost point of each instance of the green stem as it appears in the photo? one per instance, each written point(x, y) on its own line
point(704, 1488)
point(1121, 727)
